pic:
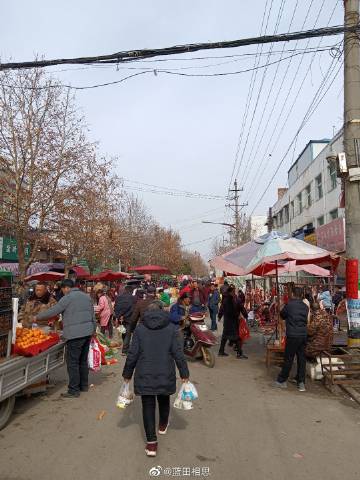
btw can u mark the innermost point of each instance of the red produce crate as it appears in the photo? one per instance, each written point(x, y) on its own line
point(39, 347)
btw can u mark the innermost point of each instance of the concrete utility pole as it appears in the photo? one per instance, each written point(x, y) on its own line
point(352, 128)
point(236, 208)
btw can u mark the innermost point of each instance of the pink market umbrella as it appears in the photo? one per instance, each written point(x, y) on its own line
point(291, 267)
point(45, 277)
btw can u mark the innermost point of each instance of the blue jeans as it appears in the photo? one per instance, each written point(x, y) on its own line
point(213, 314)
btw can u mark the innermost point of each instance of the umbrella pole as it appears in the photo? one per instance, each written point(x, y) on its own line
point(277, 301)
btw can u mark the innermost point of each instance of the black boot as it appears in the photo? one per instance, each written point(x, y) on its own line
point(222, 348)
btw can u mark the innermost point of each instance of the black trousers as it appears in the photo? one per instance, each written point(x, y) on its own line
point(294, 346)
point(149, 407)
point(127, 337)
point(236, 342)
point(108, 327)
point(77, 351)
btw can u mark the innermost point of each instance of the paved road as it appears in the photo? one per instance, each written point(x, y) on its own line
point(241, 428)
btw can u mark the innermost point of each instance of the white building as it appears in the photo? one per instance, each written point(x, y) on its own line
point(311, 206)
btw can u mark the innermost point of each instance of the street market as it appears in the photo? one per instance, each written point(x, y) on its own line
point(180, 240)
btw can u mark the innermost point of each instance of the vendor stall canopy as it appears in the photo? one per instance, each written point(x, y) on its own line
point(150, 269)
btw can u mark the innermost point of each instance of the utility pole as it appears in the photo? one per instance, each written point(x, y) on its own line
point(352, 128)
point(236, 209)
point(352, 153)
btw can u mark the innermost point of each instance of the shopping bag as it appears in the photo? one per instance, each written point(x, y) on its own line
point(125, 396)
point(94, 357)
point(187, 394)
point(244, 332)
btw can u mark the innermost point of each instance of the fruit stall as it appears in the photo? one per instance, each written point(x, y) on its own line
point(26, 355)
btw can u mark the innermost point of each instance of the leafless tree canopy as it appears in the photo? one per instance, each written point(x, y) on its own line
point(57, 191)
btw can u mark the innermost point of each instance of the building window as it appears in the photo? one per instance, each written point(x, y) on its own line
point(318, 187)
point(334, 214)
point(308, 198)
point(275, 222)
point(320, 221)
point(286, 214)
point(332, 176)
point(299, 205)
point(292, 209)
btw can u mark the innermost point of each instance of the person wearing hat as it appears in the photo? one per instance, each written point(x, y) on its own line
point(79, 324)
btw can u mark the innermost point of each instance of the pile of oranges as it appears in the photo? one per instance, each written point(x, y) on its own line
point(26, 338)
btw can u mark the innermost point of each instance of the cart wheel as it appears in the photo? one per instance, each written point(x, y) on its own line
point(6, 408)
point(208, 357)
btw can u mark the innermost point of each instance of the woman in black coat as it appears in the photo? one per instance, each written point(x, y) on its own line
point(154, 351)
point(230, 309)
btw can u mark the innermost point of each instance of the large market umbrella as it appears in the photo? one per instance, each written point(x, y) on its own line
point(45, 277)
point(237, 259)
point(80, 272)
point(150, 269)
point(291, 267)
point(281, 250)
point(109, 276)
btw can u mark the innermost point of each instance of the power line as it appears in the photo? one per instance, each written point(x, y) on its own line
point(313, 106)
point(284, 124)
point(131, 55)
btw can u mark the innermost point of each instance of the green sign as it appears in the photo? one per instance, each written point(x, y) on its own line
point(9, 249)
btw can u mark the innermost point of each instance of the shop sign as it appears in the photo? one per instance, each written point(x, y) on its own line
point(9, 250)
point(353, 311)
point(311, 238)
point(332, 235)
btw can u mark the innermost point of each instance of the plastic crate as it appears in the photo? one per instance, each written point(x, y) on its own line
point(5, 298)
point(37, 348)
point(4, 341)
point(5, 321)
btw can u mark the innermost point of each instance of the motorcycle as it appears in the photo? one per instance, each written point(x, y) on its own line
point(198, 339)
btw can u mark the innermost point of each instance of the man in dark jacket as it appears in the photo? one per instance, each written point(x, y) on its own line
point(123, 310)
point(213, 305)
point(295, 314)
point(153, 354)
point(198, 297)
point(79, 324)
point(142, 305)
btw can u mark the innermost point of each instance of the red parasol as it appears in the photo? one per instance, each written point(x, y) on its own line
point(80, 272)
point(150, 269)
point(109, 276)
point(45, 277)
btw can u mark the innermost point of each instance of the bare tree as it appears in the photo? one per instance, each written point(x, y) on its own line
point(43, 150)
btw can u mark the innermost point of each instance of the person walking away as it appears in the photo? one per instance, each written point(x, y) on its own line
point(79, 324)
point(142, 305)
point(153, 353)
point(230, 310)
point(295, 314)
point(224, 287)
point(213, 305)
point(104, 309)
point(40, 301)
point(320, 332)
point(123, 310)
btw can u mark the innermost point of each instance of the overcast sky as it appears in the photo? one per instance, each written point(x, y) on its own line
point(182, 132)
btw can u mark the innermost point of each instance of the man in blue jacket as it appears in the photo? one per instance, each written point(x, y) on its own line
point(79, 324)
point(180, 310)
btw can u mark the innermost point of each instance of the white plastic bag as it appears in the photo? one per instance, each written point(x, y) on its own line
point(94, 357)
point(187, 394)
point(125, 396)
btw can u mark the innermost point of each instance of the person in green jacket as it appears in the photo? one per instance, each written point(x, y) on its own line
point(164, 297)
